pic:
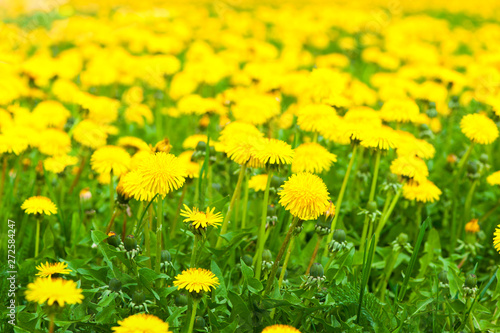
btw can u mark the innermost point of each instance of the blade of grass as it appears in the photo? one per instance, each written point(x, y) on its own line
point(367, 266)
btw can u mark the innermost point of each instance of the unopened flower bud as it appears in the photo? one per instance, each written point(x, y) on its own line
point(339, 236)
point(115, 285)
point(317, 270)
point(113, 239)
point(181, 300)
point(247, 259)
point(138, 297)
point(443, 277)
point(199, 323)
point(130, 243)
point(267, 256)
point(471, 281)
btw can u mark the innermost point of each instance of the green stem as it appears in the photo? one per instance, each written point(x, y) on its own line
point(367, 221)
point(193, 315)
point(276, 263)
point(159, 227)
point(468, 201)
point(245, 204)
point(176, 217)
point(192, 263)
point(52, 323)
point(4, 173)
point(339, 199)
point(385, 217)
point(111, 194)
point(231, 205)
point(262, 229)
point(463, 160)
point(37, 236)
point(285, 263)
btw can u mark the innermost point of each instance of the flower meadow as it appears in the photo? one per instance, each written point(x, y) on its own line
point(238, 166)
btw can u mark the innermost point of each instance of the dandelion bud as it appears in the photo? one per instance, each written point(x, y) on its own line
point(372, 206)
point(317, 270)
point(484, 158)
point(113, 239)
point(85, 194)
point(267, 256)
point(339, 236)
point(130, 243)
point(115, 285)
point(471, 281)
point(166, 256)
point(201, 147)
point(392, 178)
point(138, 297)
point(199, 323)
point(443, 279)
point(247, 259)
point(181, 300)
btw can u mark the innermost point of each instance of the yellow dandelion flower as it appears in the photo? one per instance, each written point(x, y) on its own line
point(409, 145)
point(139, 114)
point(192, 141)
point(305, 195)
point(494, 178)
point(258, 182)
point(196, 279)
point(192, 168)
point(39, 205)
point(48, 269)
point(472, 226)
point(383, 138)
point(90, 134)
point(51, 113)
point(161, 173)
point(142, 323)
point(57, 164)
point(133, 142)
point(52, 291)
point(365, 115)
point(313, 117)
point(411, 167)
point(163, 145)
point(273, 151)
point(280, 329)
point(12, 144)
point(400, 110)
point(312, 157)
point(54, 142)
point(199, 219)
point(243, 149)
point(132, 186)
point(423, 191)
point(133, 95)
point(496, 239)
point(109, 159)
point(239, 128)
point(256, 108)
point(138, 158)
point(479, 128)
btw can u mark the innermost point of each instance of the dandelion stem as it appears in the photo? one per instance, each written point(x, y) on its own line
point(159, 227)
point(468, 202)
point(111, 222)
point(340, 197)
point(37, 236)
point(111, 194)
point(245, 205)
point(276, 263)
point(193, 315)
point(313, 256)
point(262, 230)
point(370, 199)
point(285, 263)
point(385, 217)
point(52, 324)
point(181, 201)
point(192, 263)
point(4, 173)
point(231, 205)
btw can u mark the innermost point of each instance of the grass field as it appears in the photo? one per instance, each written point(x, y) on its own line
point(235, 166)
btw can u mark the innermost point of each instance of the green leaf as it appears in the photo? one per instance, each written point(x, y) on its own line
point(221, 290)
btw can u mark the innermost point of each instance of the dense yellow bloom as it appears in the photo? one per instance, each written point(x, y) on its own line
point(199, 219)
point(258, 182)
point(313, 117)
point(139, 114)
point(423, 191)
point(132, 186)
point(238, 128)
point(399, 110)
point(54, 291)
point(54, 142)
point(411, 167)
point(192, 141)
point(383, 138)
point(51, 113)
point(47, 269)
point(496, 238)
point(133, 142)
point(305, 195)
point(409, 145)
point(142, 323)
point(90, 134)
point(109, 159)
point(472, 226)
point(12, 144)
point(479, 128)
point(494, 178)
point(57, 164)
point(243, 150)
point(256, 108)
point(39, 205)
point(196, 279)
point(280, 329)
point(313, 158)
point(273, 151)
point(161, 173)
